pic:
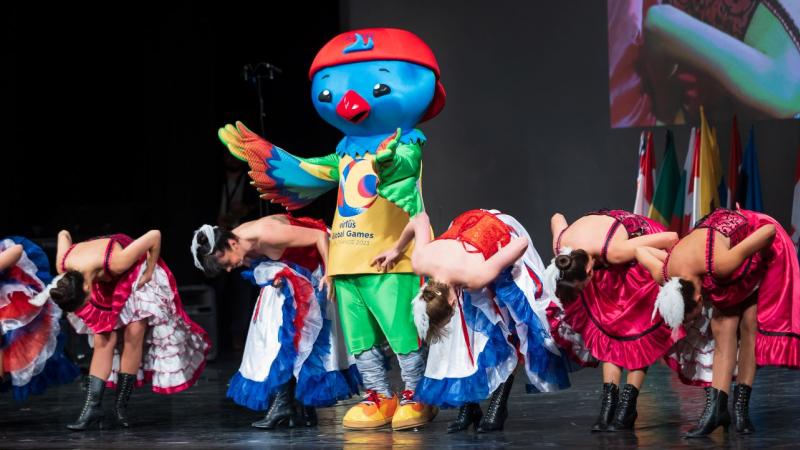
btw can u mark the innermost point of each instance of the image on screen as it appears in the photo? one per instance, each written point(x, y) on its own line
point(669, 57)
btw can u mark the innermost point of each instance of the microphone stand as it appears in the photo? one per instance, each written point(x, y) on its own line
point(255, 74)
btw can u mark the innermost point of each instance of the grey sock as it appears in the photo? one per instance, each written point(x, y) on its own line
point(412, 368)
point(371, 365)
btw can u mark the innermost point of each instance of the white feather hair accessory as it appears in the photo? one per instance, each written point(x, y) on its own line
point(669, 303)
point(41, 297)
point(552, 274)
point(421, 319)
point(208, 231)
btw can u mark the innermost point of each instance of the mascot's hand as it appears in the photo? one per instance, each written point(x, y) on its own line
point(385, 153)
point(240, 140)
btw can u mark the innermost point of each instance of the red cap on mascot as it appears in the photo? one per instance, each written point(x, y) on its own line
point(376, 44)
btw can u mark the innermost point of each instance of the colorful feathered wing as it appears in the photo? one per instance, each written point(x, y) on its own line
point(279, 176)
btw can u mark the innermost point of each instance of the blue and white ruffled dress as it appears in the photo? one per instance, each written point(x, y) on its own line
point(491, 331)
point(294, 332)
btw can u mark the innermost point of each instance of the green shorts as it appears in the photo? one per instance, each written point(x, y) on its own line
point(371, 305)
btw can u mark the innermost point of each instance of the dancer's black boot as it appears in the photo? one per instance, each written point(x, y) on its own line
point(92, 412)
point(714, 415)
point(305, 416)
point(282, 410)
point(608, 405)
point(468, 414)
point(626, 413)
point(125, 382)
point(497, 412)
point(741, 409)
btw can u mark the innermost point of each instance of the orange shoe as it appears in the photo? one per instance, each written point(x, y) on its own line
point(374, 411)
point(412, 414)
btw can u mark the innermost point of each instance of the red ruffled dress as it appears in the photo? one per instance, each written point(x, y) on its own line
point(771, 277)
point(175, 347)
point(30, 336)
point(611, 320)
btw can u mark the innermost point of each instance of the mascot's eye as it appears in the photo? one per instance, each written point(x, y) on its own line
point(379, 90)
point(325, 96)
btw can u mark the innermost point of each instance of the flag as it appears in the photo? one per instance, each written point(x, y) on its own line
point(692, 214)
point(645, 179)
point(710, 175)
point(734, 166)
point(749, 190)
point(796, 205)
point(682, 212)
point(666, 192)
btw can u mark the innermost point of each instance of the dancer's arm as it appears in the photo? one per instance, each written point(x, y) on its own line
point(10, 256)
point(727, 261)
point(283, 235)
point(557, 224)
point(417, 229)
point(757, 71)
point(150, 244)
point(64, 243)
point(622, 252)
point(653, 260)
point(491, 268)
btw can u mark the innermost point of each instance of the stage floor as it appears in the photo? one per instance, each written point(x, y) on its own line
point(203, 418)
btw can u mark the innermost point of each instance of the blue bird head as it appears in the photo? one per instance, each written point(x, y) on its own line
point(373, 97)
point(371, 82)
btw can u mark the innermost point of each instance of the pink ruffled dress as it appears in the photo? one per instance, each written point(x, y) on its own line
point(611, 320)
point(770, 277)
point(175, 347)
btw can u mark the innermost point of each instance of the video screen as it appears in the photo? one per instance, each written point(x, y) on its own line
point(669, 57)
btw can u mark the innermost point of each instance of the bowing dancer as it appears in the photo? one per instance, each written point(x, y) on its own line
point(606, 304)
point(482, 311)
point(294, 357)
point(744, 264)
point(119, 291)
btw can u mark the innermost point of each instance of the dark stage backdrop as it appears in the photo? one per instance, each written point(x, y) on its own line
point(112, 118)
point(526, 126)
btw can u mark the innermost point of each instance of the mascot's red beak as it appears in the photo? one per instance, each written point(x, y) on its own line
point(353, 107)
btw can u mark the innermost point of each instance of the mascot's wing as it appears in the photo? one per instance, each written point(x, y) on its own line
point(279, 176)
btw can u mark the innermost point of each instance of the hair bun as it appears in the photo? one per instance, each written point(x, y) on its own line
point(56, 294)
point(563, 262)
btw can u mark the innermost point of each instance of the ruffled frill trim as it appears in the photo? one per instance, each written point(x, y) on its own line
point(16, 311)
point(175, 348)
point(630, 354)
point(317, 386)
point(693, 356)
point(781, 351)
point(20, 283)
point(567, 338)
point(551, 369)
point(103, 320)
point(27, 349)
point(455, 392)
point(247, 392)
point(58, 370)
